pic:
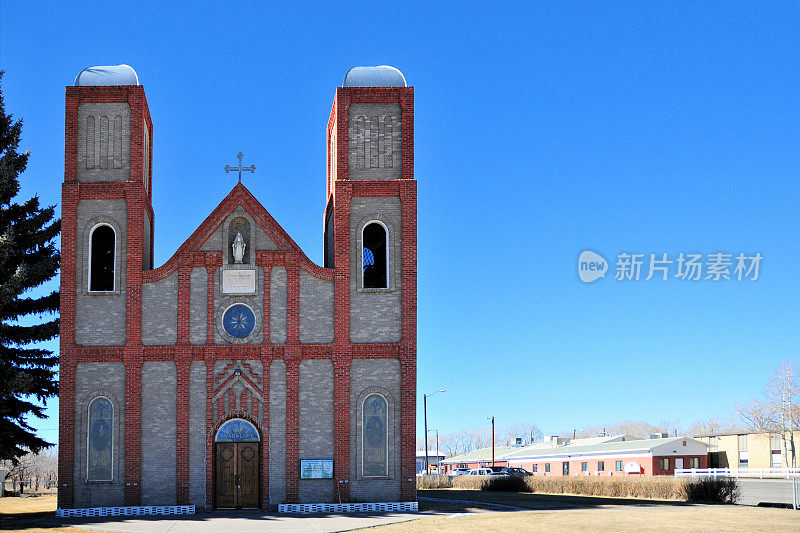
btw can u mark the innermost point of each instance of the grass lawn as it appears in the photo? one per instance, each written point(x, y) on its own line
point(577, 513)
point(21, 514)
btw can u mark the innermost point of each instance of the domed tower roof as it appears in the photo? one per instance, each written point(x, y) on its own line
point(380, 76)
point(108, 75)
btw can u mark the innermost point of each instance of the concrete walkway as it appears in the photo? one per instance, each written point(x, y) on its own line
point(241, 522)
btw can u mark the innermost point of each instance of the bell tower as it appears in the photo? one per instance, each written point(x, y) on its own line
point(107, 236)
point(371, 239)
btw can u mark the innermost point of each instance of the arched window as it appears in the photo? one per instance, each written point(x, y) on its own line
point(99, 440)
point(375, 437)
point(375, 265)
point(102, 244)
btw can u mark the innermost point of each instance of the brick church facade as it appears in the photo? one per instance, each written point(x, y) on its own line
point(238, 373)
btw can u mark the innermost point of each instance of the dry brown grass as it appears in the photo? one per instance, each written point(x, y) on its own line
point(667, 518)
point(650, 488)
point(15, 507)
point(24, 514)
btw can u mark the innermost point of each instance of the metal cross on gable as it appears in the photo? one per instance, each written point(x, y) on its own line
point(240, 168)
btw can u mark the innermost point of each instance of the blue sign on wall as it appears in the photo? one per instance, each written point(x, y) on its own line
point(316, 468)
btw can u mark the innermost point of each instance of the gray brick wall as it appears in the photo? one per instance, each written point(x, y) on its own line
point(214, 242)
point(262, 240)
point(277, 432)
point(277, 305)
point(198, 306)
point(100, 317)
point(160, 311)
point(364, 163)
point(93, 380)
point(316, 309)
point(368, 376)
point(159, 390)
point(375, 314)
point(97, 111)
point(222, 302)
point(197, 433)
point(316, 425)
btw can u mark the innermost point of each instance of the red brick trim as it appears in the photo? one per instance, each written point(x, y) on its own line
point(183, 362)
point(292, 429)
point(341, 426)
point(184, 285)
point(66, 419)
point(133, 422)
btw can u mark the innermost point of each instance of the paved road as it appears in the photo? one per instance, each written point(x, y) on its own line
point(755, 491)
point(241, 522)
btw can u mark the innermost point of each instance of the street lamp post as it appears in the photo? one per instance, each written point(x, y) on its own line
point(492, 419)
point(425, 415)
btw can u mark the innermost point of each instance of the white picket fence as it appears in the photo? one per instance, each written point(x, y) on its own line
point(754, 473)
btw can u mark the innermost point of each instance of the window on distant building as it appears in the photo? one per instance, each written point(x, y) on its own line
point(565, 468)
point(601, 466)
point(694, 462)
point(584, 466)
point(374, 256)
point(619, 466)
point(535, 468)
point(744, 456)
point(547, 467)
point(663, 464)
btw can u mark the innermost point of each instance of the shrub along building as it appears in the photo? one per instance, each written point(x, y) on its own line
point(239, 373)
point(619, 455)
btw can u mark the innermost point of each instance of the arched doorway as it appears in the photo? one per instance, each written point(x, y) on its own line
point(237, 465)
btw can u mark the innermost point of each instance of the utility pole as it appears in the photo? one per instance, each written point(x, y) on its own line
point(492, 419)
point(425, 416)
point(438, 458)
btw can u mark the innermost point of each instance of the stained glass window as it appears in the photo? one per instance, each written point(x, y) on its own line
point(374, 256)
point(100, 439)
point(101, 267)
point(237, 430)
point(374, 438)
point(239, 321)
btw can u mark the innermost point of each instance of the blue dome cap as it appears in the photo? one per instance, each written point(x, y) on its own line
point(380, 76)
point(109, 75)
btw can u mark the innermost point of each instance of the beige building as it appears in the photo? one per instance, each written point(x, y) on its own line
point(749, 450)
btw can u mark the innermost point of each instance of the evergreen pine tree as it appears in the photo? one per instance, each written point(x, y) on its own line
point(28, 258)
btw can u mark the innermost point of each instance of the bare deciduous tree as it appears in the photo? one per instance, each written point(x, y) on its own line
point(778, 411)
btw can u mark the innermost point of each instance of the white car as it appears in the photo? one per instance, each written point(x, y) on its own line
point(479, 472)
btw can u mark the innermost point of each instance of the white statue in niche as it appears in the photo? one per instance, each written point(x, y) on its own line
point(238, 249)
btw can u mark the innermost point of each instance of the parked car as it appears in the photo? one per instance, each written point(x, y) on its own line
point(514, 471)
point(459, 471)
point(479, 472)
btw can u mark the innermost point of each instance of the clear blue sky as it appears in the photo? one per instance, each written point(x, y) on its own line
point(540, 132)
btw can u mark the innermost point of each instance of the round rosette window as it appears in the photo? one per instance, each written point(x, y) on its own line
point(239, 321)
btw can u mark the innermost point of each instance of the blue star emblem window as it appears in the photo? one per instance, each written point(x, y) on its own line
point(239, 321)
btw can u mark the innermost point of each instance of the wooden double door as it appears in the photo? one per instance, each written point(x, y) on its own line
point(237, 475)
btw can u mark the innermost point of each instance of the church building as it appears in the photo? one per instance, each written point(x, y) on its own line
point(238, 374)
